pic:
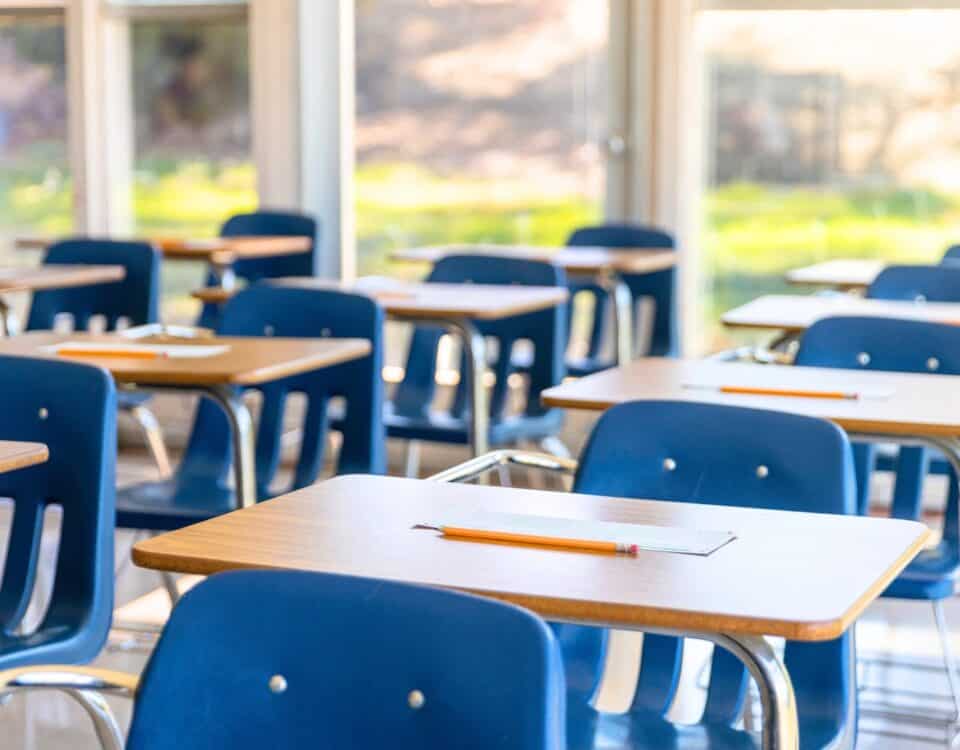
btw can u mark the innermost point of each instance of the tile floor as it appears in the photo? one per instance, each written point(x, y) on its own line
point(49, 721)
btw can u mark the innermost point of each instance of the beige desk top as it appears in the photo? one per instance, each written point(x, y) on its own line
point(779, 577)
point(16, 455)
point(894, 403)
point(219, 250)
point(796, 313)
point(429, 301)
point(574, 260)
point(57, 276)
point(844, 273)
point(249, 360)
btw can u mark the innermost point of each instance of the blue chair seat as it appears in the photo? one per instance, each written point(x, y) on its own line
point(166, 506)
point(930, 576)
point(443, 427)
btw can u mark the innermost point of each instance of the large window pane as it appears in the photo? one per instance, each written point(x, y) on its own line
point(193, 166)
point(477, 120)
point(35, 181)
point(827, 148)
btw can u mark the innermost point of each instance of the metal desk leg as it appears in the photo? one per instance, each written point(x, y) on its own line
point(4, 318)
point(241, 428)
point(476, 350)
point(225, 275)
point(103, 722)
point(780, 729)
point(622, 318)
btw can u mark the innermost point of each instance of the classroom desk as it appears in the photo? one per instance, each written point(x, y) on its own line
point(606, 264)
point(52, 276)
point(454, 307)
point(848, 274)
point(793, 314)
point(754, 586)
point(904, 408)
point(220, 253)
point(16, 455)
point(249, 361)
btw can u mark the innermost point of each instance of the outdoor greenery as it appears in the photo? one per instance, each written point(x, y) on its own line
point(751, 233)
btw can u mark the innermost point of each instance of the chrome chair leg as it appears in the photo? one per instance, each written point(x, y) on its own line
point(949, 664)
point(154, 435)
point(411, 468)
point(170, 586)
point(104, 723)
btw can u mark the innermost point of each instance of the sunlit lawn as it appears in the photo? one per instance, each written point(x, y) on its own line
point(751, 233)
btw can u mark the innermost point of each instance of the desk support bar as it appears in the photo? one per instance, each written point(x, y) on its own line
point(495, 459)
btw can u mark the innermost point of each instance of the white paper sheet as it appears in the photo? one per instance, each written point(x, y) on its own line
point(673, 539)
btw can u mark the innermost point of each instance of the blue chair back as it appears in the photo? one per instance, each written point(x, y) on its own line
point(72, 409)
point(262, 310)
point(266, 224)
point(659, 286)
point(952, 255)
point(892, 345)
point(544, 329)
point(715, 453)
point(345, 658)
point(136, 298)
point(917, 283)
point(273, 224)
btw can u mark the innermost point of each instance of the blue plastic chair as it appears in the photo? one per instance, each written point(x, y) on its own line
point(296, 660)
point(659, 286)
point(72, 409)
point(135, 300)
point(266, 224)
point(200, 488)
point(915, 283)
point(715, 454)
point(292, 660)
point(411, 415)
point(952, 255)
point(900, 346)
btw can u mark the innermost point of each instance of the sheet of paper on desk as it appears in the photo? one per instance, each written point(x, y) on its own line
point(171, 351)
point(647, 538)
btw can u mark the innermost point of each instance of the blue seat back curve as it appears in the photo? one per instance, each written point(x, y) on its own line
point(267, 224)
point(659, 286)
point(952, 254)
point(72, 409)
point(920, 283)
point(544, 329)
point(715, 453)
point(261, 310)
point(345, 656)
point(892, 345)
point(136, 298)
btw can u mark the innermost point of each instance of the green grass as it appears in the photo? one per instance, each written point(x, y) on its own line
point(751, 233)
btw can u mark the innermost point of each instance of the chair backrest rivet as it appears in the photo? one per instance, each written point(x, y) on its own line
point(416, 699)
point(325, 332)
point(762, 471)
point(863, 358)
point(43, 413)
point(920, 298)
point(268, 330)
point(669, 464)
point(933, 363)
point(278, 684)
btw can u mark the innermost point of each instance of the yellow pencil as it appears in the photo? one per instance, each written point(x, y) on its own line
point(788, 392)
point(485, 535)
point(124, 353)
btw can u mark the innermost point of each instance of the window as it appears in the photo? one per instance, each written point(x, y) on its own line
point(192, 163)
point(35, 182)
point(825, 149)
point(477, 120)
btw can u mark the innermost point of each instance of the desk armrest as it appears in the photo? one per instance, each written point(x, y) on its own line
point(68, 677)
point(489, 461)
